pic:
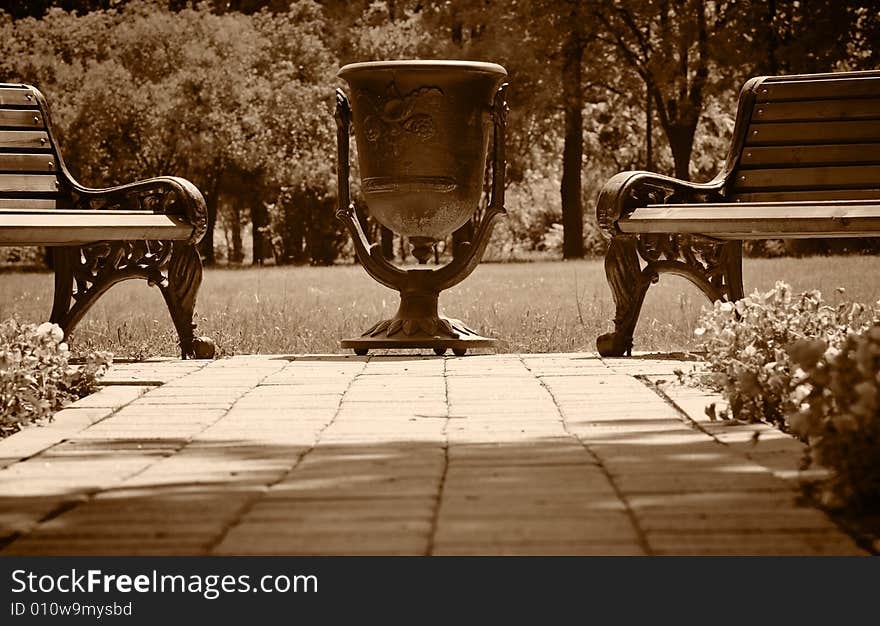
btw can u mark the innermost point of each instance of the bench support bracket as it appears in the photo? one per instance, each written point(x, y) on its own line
point(713, 266)
point(84, 273)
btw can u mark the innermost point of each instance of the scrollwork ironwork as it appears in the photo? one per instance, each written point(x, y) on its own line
point(715, 267)
point(84, 273)
point(168, 195)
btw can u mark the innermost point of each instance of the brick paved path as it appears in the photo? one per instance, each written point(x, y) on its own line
point(506, 454)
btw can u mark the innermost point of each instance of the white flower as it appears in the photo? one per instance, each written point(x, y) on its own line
point(48, 329)
point(699, 332)
point(800, 393)
point(727, 307)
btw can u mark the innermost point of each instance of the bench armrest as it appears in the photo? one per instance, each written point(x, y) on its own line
point(627, 191)
point(169, 195)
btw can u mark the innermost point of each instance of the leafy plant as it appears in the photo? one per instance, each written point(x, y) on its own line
point(809, 368)
point(35, 377)
point(839, 415)
point(746, 343)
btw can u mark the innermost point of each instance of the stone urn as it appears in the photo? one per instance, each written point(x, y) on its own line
point(423, 131)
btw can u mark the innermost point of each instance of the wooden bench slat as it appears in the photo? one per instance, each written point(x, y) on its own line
point(16, 118)
point(38, 183)
point(35, 204)
point(63, 228)
point(798, 194)
point(811, 89)
point(781, 133)
point(809, 110)
point(70, 211)
point(758, 220)
point(796, 205)
point(829, 154)
point(16, 96)
point(12, 162)
point(17, 139)
point(834, 177)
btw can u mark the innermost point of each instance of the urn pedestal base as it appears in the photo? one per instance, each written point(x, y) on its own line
point(418, 325)
point(467, 339)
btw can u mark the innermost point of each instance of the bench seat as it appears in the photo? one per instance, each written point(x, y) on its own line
point(66, 227)
point(758, 220)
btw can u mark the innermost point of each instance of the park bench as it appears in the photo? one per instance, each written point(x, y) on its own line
point(804, 162)
point(98, 237)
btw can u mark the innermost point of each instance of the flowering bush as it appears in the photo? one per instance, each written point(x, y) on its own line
point(35, 377)
point(746, 344)
point(839, 415)
point(809, 368)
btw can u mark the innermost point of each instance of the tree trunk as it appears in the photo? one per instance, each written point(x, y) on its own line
point(681, 142)
point(386, 238)
point(573, 151)
point(772, 39)
point(259, 219)
point(236, 254)
point(206, 246)
point(649, 131)
point(296, 249)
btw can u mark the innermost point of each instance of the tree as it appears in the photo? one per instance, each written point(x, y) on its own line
point(683, 50)
point(666, 42)
point(575, 42)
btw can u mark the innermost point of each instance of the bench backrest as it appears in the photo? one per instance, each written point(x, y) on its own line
point(809, 137)
point(29, 163)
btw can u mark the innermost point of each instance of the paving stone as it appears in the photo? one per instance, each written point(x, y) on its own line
point(754, 544)
point(528, 506)
point(103, 546)
point(26, 443)
point(733, 521)
point(21, 515)
point(246, 541)
point(113, 397)
point(694, 503)
point(549, 549)
point(685, 482)
point(353, 510)
point(294, 488)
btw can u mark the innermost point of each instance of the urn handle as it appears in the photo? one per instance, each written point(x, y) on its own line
point(370, 254)
point(499, 164)
point(462, 266)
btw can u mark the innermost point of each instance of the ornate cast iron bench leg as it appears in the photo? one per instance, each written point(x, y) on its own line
point(713, 266)
point(179, 291)
point(628, 288)
point(83, 274)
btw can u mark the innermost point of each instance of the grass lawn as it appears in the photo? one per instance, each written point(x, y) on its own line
point(531, 307)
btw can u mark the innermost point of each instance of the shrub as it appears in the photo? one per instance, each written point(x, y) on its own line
point(35, 377)
point(840, 415)
point(746, 344)
point(809, 368)
point(27, 256)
